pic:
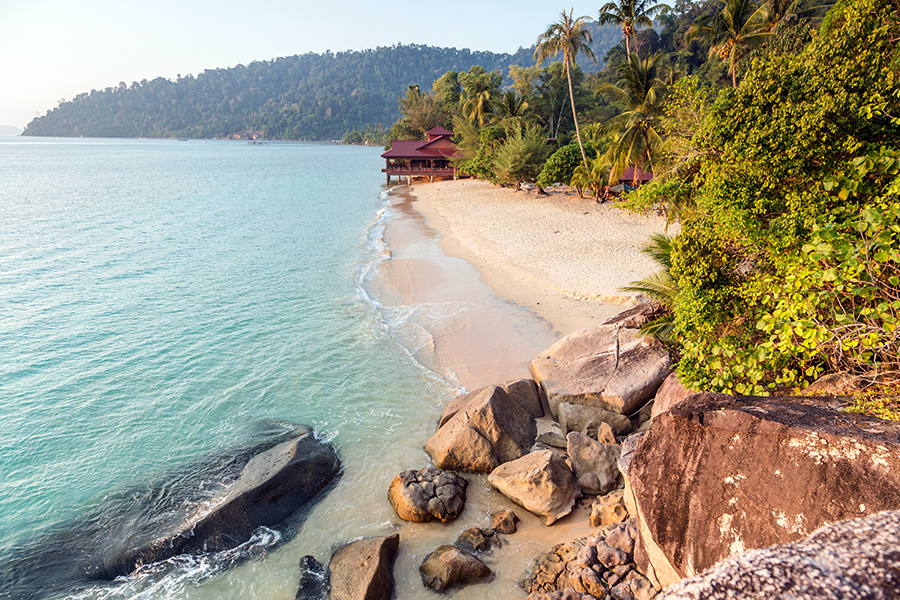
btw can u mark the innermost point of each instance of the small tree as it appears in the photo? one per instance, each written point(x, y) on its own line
point(521, 156)
point(561, 164)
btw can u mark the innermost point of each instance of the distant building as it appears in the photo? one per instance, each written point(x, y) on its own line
point(627, 177)
point(417, 158)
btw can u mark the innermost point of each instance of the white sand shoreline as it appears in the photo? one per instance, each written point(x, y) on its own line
point(562, 257)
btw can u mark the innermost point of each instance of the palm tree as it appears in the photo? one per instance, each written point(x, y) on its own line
point(643, 93)
point(479, 87)
point(631, 14)
point(511, 106)
point(570, 37)
point(731, 33)
point(791, 11)
point(660, 286)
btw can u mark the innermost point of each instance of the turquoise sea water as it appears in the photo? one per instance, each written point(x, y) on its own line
point(164, 300)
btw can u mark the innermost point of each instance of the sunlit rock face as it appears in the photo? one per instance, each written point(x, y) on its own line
point(717, 475)
point(606, 366)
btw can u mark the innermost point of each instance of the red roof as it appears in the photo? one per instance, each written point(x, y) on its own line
point(438, 131)
point(628, 175)
point(417, 149)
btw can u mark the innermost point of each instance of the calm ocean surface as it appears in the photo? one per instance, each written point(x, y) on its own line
point(163, 300)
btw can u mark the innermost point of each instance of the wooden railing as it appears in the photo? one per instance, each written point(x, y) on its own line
point(418, 170)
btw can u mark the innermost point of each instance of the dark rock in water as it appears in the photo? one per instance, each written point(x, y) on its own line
point(313, 580)
point(364, 570)
point(476, 539)
point(226, 504)
point(504, 521)
point(852, 560)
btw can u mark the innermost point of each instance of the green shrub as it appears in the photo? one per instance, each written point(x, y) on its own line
point(562, 163)
point(787, 262)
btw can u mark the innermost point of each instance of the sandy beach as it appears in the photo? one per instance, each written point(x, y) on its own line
point(490, 276)
point(562, 257)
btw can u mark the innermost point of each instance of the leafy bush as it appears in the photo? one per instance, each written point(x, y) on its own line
point(788, 261)
point(481, 164)
point(562, 163)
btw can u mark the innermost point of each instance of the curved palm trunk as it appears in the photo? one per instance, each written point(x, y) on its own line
point(574, 115)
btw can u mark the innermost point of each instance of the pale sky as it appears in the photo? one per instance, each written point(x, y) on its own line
point(55, 49)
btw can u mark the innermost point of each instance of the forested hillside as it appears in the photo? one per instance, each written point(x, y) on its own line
point(308, 97)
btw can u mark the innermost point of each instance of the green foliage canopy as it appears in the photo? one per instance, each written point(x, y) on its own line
point(787, 264)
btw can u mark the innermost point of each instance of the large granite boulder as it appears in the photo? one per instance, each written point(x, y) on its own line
point(541, 482)
point(606, 366)
point(492, 429)
point(590, 420)
point(449, 567)
point(523, 392)
point(717, 475)
point(364, 569)
point(428, 494)
point(268, 484)
point(856, 559)
point(595, 464)
point(670, 393)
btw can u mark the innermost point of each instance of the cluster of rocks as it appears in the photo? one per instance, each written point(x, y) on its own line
point(600, 567)
point(456, 565)
point(714, 476)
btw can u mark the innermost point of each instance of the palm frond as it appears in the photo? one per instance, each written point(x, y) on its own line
point(659, 287)
point(659, 248)
point(663, 327)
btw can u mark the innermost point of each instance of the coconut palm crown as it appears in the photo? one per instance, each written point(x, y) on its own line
point(732, 32)
point(631, 15)
point(643, 93)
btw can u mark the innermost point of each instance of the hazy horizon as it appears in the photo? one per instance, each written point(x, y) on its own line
point(51, 50)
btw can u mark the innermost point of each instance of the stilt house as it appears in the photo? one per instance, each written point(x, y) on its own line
point(418, 158)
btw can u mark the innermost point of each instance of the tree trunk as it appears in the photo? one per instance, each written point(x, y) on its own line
point(574, 115)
